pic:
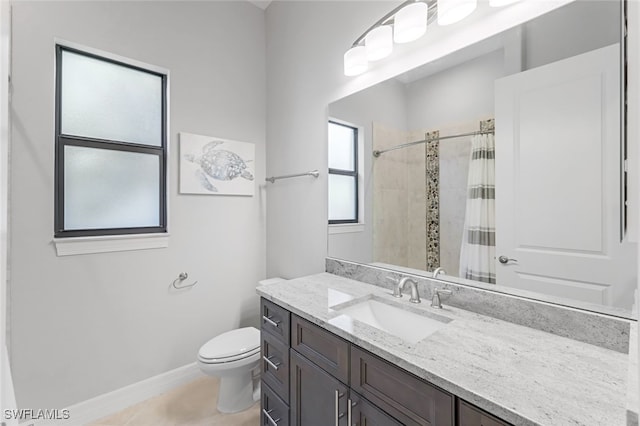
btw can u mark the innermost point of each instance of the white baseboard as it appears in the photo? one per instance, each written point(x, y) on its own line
point(101, 406)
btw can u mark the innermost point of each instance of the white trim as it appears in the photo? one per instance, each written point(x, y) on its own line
point(345, 228)
point(112, 56)
point(110, 403)
point(633, 129)
point(7, 395)
point(108, 243)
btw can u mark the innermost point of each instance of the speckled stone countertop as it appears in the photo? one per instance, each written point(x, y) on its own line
point(522, 375)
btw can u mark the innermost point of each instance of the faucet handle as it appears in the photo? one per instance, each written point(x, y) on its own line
point(396, 288)
point(435, 299)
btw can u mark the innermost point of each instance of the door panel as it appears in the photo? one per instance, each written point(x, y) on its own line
point(558, 180)
point(317, 399)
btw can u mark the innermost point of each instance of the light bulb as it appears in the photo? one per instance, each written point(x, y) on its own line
point(452, 11)
point(410, 23)
point(379, 42)
point(355, 61)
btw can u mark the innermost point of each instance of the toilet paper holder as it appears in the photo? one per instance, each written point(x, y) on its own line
point(183, 276)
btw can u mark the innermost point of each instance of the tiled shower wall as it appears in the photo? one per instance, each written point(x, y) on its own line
point(417, 207)
point(419, 211)
point(390, 192)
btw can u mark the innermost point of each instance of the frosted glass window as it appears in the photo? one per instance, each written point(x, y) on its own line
point(105, 188)
point(342, 198)
point(343, 173)
point(103, 100)
point(342, 145)
point(111, 159)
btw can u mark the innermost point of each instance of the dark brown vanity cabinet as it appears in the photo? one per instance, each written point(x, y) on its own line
point(468, 415)
point(317, 398)
point(311, 377)
point(274, 334)
point(364, 413)
point(401, 394)
point(274, 410)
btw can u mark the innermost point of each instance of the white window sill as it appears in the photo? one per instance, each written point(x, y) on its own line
point(345, 228)
point(109, 243)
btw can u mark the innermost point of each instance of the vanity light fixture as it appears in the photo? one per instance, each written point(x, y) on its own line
point(405, 23)
point(355, 61)
point(379, 42)
point(452, 11)
point(410, 23)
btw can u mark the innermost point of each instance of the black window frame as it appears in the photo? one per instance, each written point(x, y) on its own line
point(62, 140)
point(352, 173)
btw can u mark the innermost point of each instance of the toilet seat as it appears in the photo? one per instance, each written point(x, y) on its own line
point(234, 345)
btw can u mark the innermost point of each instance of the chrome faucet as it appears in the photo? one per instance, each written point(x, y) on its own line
point(397, 291)
point(435, 300)
point(439, 270)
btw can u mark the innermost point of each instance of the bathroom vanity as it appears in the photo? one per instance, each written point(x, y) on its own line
point(322, 366)
point(318, 378)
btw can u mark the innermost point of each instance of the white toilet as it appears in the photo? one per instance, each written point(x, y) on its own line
point(232, 356)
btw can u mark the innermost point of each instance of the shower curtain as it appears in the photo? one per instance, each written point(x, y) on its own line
point(477, 254)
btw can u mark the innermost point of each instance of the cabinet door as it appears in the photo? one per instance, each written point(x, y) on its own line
point(364, 413)
point(317, 399)
point(468, 415)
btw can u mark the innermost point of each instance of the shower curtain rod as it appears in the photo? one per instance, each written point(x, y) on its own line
point(377, 153)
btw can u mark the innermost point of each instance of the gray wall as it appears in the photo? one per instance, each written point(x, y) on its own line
point(456, 96)
point(85, 325)
point(577, 28)
point(305, 45)
point(384, 104)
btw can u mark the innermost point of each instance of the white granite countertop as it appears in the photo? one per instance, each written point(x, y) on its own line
point(522, 375)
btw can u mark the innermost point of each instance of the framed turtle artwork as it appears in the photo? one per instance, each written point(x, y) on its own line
point(216, 166)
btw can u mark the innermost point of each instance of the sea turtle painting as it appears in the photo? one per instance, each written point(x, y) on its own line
point(219, 164)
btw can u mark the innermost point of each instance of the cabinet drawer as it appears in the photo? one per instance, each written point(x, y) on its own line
point(273, 410)
point(365, 413)
point(275, 365)
point(275, 320)
point(401, 394)
point(468, 415)
point(325, 349)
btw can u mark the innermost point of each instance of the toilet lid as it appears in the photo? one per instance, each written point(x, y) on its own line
point(232, 344)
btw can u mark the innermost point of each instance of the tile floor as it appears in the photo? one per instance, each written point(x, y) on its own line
point(192, 404)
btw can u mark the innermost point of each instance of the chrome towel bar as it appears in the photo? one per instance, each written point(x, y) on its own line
point(313, 173)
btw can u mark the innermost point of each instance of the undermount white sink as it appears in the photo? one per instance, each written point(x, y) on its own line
point(394, 320)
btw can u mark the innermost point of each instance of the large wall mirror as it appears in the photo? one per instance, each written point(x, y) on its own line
point(516, 182)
